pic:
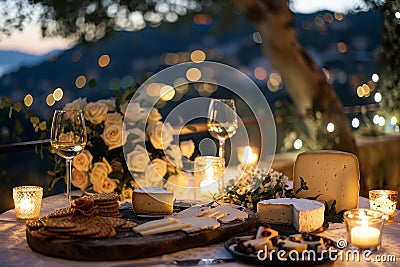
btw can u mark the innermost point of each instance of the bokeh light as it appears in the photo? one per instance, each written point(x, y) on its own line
point(257, 37)
point(298, 144)
point(378, 97)
point(260, 73)
point(193, 74)
point(167, 92)
point(80, 82)
point(104, 60)
point(58, 94)
point(375, 77)
point(330, 127)
point(198, 56)
point(50, 100)
point(355, 122)
point(393, 120)
point(28, 100)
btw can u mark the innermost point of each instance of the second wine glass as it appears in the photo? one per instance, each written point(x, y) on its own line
point(68, 139)
point(222, 121)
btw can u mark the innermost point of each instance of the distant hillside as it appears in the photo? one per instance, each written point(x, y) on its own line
point(134, 54)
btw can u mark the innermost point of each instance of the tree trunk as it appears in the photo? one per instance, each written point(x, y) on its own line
point(304, 80)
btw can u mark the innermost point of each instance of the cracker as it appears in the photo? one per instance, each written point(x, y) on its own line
point(63, 212)
point(107, 231)
point(87, 232)
point(115, 222)
point(76, 229)
point(106, 197)
point(61, 223)
point(34, 224)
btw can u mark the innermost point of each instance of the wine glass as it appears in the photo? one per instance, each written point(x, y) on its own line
point(222, 121)
point(68, 139)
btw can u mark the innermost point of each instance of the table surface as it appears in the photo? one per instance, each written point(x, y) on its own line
point(16, 252)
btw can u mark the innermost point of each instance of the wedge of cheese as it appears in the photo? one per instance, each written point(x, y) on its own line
point(152, 200)
point(334, 175)
point(227, 213)
point(195, 211)
point(166, 228)
point(304, 214)
point(155, 224)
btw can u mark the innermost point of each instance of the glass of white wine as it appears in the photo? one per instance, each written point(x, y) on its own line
point(68, 139)
point(222, 121)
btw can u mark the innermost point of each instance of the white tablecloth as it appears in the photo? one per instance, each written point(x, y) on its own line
point(14, 250)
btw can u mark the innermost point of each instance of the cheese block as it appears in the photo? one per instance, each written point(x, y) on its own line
point(152, 200)
point(192, 212)
point(154, 224)
point(334, 175)
point(304, 214)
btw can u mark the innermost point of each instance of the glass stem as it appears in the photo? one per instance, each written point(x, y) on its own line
point(221, 151)
point(68, 179)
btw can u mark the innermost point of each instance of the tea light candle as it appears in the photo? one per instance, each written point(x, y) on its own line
point(208, 177)
point(248, 155)
point(364, 228)
point(383, 200)
point(364, 236)
point(27, 200)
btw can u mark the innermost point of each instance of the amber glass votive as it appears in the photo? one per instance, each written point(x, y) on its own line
point(385, 201)
point(27, 201)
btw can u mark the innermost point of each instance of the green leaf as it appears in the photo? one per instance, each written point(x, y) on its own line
point(34, 120)
point(331, 215)
point(303, 186)
point(43, 125)
point(314, 198)
point(17, 106)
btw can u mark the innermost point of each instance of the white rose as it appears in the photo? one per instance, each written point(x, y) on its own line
point(154, 115)
point(80, 179)
point(77, 104)
point(161, 135)
point(174, 155)
point(95, 112)
point(155, 172)
point(135, 135)
point(134, 113)
point(99, 171)
point(109, 102)
point(83, 161)
point(187, 148)
point(113, 118)
point(153, 178)
point(137, 159)
point(106, 185)
point(112, 136)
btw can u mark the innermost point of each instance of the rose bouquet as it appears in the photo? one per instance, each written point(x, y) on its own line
point(128, 147)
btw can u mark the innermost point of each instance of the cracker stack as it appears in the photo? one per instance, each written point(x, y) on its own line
point(107, 205)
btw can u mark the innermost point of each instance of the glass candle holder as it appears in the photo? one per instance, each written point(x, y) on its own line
point(364, 228)
point(208, 177)
point(27, 201)
point(385, 201)
point(248, 155)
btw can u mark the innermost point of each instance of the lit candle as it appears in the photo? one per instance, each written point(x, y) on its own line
point(364, 236)
point(27, 200)
point(248, 155)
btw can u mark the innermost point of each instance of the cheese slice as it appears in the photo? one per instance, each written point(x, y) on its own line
point(152, 200)
point(291, 245)
point(200, 223)
point(192, 212)
point(304, 214)
point(166, 228)
point(260, 242)
point(230, 213)
point(155, 224)
point(334, 175)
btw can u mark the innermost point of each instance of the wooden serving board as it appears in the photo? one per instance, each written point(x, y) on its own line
point(129, 245)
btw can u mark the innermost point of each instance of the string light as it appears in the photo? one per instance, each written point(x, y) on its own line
point(330, 127)
point(378, 97)
point(298, 144)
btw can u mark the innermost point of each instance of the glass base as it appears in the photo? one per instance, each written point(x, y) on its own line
point(372, 248)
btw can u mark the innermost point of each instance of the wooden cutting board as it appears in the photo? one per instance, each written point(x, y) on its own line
point(129, 245)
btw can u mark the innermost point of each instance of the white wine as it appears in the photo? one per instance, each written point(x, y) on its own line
point(222, 131)
point(67, 151)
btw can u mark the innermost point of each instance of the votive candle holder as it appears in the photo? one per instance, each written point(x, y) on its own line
point(385, 201)
point(27, 201)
